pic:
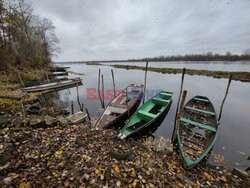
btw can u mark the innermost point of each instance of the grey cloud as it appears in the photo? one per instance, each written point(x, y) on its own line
point(122, 29)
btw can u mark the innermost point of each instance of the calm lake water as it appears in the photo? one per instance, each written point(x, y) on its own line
point(234, 128)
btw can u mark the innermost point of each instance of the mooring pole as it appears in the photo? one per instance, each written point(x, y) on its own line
point(78, 99)
point(103, 92)
point(222, 104)
point(145, 82)
point(113, 78)
point(99, 75)
point(127, 102)
point(174, 138)
point(177, 108)
point(88, 114)
point(72, 107)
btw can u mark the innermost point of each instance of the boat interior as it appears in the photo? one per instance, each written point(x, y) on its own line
point(150, 110)
point(123, 101)
point(198, 127)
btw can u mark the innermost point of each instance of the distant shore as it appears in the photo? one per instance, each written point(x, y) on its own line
point(238, 76)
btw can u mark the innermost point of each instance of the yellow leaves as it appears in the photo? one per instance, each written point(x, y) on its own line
point(139, 152)
point(131, 169)
point(223, 179)
point(105, 156)
point(60, 131)
point(147, 172)
point(135, 183)
point(17, 143)
point(88, 159)
point(170, 167)
point(180, 184)
point(43, 140)
point(117, 169)
point(97, 171)
point(178, 170)
point(35, 133)
point(209, 176)
point(24, 185)
point(54, 174)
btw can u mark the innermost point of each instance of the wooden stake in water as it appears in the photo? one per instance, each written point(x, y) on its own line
point(103, 92)
point(127, 102)
point(145, 82)
point(72, 107)
point(78, 99)
point(99, 75)
point(177, 108)
point(113, 78)
point(222, 104)
point(174, 139)
point(88, 114)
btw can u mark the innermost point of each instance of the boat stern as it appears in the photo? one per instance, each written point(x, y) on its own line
point(121, 136)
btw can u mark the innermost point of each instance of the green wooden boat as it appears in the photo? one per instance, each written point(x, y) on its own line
point(198, 130)
point(148, 114)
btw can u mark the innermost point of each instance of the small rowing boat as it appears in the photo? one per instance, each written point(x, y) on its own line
point(198, 130)
point(148, 114)
point(53, 85)
point(124, 104)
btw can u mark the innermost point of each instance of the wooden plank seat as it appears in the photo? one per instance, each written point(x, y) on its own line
point(160, 101)
point(146, 116)
point(199, 99)
point(198, 124)
point(199, 110)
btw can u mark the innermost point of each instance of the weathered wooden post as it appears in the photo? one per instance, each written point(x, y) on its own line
point(72, 107)
point(222, 104)
point(99, 75)
point(145, 82)
point(88, 114)
point(103, 92)
point(20, 79)
point(113, 78)
point(47, 76)
point(177, 108)
point(174, 138)
point(127, 102)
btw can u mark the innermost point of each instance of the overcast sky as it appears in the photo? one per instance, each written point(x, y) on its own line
point(123, 29)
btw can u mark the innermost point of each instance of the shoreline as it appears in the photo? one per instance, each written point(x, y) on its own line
point(237, 76)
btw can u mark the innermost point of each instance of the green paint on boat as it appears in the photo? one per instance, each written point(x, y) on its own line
point(211, 130)
point(147, 113)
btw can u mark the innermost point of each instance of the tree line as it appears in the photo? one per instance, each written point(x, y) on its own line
point(209, 56)
point(26, 39)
